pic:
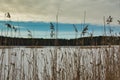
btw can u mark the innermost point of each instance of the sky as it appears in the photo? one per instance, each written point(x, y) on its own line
point(69, 12)
point(65, 30)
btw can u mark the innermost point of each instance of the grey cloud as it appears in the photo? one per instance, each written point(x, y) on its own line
point(68, 8)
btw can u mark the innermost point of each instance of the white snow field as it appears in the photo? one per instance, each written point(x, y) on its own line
point(60, 63)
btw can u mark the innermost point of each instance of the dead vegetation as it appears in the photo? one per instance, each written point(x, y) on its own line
point(60, 63)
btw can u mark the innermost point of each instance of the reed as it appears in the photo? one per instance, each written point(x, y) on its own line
point(60, 63)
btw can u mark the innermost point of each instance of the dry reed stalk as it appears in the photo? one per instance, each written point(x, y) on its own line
point(71, 64)
point(35, 66)
point(13, 65)
point(78, 64)
point(22, 74)
point(9, 65)
point(2, 63)
point(54, 65)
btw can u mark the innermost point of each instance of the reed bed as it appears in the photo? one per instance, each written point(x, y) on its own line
point(60, 63)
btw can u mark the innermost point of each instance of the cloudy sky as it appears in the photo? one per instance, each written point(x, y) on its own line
point(71, 11)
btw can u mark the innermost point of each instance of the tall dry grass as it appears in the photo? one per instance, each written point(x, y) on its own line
point(60, 63)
